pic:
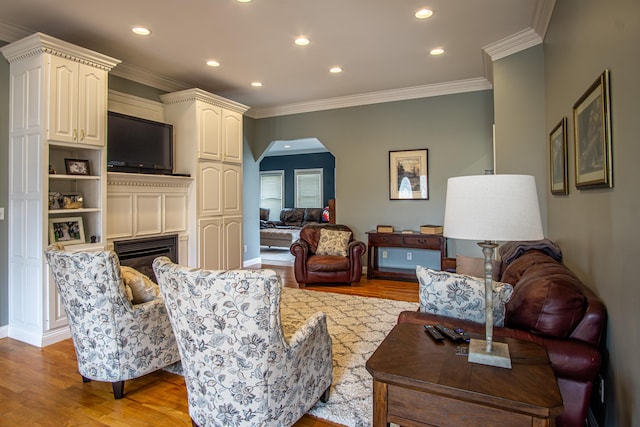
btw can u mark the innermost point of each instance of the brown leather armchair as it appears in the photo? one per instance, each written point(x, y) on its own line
point(312, 268)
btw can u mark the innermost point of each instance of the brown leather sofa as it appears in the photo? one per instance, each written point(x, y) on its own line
point(311, 268)
point(549, 306)
point(296, 217)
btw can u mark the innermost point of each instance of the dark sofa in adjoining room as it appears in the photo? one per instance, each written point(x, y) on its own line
point(552, 307)
point(286, 230)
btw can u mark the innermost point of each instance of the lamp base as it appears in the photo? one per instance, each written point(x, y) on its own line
point(498, 356)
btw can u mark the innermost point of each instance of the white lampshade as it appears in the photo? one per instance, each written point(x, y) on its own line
point(492, 208)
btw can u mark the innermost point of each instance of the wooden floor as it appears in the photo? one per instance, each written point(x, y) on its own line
point(42, 387)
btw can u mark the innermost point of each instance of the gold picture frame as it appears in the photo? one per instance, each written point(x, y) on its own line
point(592, 136)
point(408, 175)
point(558, 158)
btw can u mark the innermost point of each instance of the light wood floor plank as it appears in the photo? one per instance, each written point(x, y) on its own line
point(42, 387)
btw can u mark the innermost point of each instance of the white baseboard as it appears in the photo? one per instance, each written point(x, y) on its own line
point(254, 261)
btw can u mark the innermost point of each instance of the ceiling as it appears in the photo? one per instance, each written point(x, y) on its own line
point(382, 48)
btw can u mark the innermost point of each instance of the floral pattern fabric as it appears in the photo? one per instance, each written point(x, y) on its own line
point(333, 242)
point(460, 296)
point(113, 339)
point(238, 367)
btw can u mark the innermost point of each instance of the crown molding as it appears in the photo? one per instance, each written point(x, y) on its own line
point(460, 86)
point(11, 32)
point(196, 94)
point(542, 16)
point(149, 78)
point(513, 44)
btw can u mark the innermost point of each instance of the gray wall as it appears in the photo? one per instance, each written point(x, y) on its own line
point(250, 195)
point(456, 129)
point(4, 188)
point(520, 133)
point(598, 229)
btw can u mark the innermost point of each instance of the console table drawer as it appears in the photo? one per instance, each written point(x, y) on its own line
point(422, 241)
point(386, 239)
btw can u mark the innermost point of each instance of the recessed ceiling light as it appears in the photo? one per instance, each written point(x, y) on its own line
point(244, 1)
point(335, 70)
point(141, 31)
point(213, 63)
point(437, 51)
point(256, 84)
point(302, 41)
point(286, 146)
point(424, 13)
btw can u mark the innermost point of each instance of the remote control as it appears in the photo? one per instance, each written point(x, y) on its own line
point(433, 332)
point(463, 334)
point(450, 333)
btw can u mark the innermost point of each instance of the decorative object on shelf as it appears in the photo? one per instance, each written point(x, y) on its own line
point(56, 200)
point(73, 201)
point(431, 229)
point(558, 158)
point(592, 136)
point(67, 230)
point(52, 171)
point(408, 175)
point(491, 208)
point(77, 167)
point(384, 229)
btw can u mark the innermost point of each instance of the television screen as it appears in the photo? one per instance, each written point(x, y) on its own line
point(139, 145)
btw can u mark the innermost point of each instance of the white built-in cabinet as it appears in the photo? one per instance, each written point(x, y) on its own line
point(58, 107)
point(208, 146)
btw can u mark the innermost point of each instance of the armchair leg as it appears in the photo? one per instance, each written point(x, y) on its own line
point(118, 389)
point(85, 379)
point(325, 396)
point(193, 423)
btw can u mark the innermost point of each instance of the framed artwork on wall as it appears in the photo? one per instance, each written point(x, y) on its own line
point(592, 136)
point(408, 175)
point(558, 158)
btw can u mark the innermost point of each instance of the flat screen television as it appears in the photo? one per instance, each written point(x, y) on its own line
point(138, 145)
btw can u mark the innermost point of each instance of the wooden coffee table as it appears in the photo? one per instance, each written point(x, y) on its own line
point(418, 382)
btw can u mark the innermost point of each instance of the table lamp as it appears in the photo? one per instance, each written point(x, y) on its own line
point(491, 208)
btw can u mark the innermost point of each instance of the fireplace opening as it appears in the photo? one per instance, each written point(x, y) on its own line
point(140, 253)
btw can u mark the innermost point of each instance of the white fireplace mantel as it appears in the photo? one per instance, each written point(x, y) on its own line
point(141, 205)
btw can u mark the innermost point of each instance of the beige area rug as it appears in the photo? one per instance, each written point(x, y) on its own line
point(357, 326)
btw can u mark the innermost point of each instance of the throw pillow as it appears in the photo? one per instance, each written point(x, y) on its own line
point(460, 296)
point(142, 289)
point(333, 242)
point(475, 267)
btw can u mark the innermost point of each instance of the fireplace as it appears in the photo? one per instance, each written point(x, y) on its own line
point(140, 253)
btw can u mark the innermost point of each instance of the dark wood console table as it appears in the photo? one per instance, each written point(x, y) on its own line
point(418, 382)
point(400, 240)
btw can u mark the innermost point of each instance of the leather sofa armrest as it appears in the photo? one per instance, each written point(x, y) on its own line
point(356, 248)
point(300, 250)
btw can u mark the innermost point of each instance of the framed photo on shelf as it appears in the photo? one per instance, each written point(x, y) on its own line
point(558, 158)
point(67, 230)
point(408, 175)
point(77, 167)
point(592, 136)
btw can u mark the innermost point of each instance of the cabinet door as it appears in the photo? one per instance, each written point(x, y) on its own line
point(232, 242)
point(210, 189)
point(55, 315)
point(232, 136)
point(210, 132)
point(232, 190)
point(210, 243)
point(63, 113)
point(92, 114)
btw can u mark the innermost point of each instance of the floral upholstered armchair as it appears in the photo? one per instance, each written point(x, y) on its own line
point(238, 368)
point(114, 339)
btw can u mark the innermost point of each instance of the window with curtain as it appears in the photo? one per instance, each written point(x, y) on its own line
point(308, 188)
point(272, 193)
